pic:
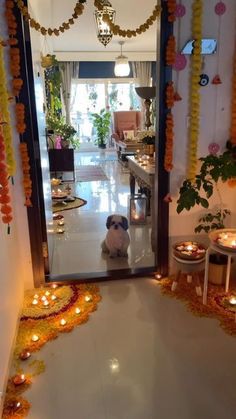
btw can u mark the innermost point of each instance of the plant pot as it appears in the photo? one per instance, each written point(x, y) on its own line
point(102, 145)
point(217, 269)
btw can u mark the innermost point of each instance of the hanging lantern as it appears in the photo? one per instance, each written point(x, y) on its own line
point(137, 209)
point(104, 32)
point(122, 67)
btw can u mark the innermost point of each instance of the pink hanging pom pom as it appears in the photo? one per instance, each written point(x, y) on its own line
point(180, 62)
point(213, 148)
point(220, 8)
point(180, 10)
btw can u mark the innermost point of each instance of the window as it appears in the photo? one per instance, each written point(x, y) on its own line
point(94, 95)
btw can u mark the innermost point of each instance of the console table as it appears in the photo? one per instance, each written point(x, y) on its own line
point(62, 160)
point(127, 148)
point(144, 176)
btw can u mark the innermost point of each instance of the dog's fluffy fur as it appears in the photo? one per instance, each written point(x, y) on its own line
point(117, 239)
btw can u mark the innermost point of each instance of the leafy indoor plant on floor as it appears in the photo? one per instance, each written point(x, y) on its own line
point(102, 123)
point(214, 168)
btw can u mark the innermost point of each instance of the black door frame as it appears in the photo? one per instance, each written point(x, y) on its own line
point(36, 214)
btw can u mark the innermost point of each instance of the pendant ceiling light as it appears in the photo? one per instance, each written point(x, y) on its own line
point(104, 32)
point(122, 67)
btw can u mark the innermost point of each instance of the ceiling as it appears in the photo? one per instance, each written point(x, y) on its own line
point(80, 41)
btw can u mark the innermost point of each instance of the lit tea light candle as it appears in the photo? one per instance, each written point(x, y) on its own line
point(53, 297)
point(135, 216)
point(47, 293)
point(19, 379)
point(233, 243)
point(25, 355)
point(54, 286)
point(35, 338)
point(46, 303)
point(13, 405)
point(36, 296)
point(63, 322)
point(77, 310)
point(61, 223)
point(189, 248)
point(35, 302)
point(232, 301)
point(88, 298)
point(43, 298)
point(158, 276)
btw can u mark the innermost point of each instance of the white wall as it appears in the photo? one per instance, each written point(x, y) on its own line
point(215, 109)
point(15, 261)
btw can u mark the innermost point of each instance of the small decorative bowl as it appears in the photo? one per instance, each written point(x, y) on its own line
point(189, 250)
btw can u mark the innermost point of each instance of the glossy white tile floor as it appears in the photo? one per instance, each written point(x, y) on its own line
point(78, 250)
point(170, 364)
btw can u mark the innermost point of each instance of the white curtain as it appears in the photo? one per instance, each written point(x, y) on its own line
point(142, 71)
point(69, 71)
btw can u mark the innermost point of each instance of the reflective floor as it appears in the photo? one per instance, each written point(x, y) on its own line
point(141, 355)
point(78, 250)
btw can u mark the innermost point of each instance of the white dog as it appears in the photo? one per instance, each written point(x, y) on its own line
point(117, 239)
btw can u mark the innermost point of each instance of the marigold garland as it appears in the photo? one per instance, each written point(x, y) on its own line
point(168, 159)
point(47, 328)
point(171, 6)
point(233, 105)
point(170, 95)
point(78, 10)
point(5, 207)
point(117, 30)
point(196, 63)
point(5, 117)
point(27, 182)
point(171, 50)
point(216, 306)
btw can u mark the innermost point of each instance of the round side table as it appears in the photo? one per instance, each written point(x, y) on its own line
point(188, 267)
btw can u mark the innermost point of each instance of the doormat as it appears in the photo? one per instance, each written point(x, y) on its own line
point(218, 302)
point(90, 173)
point(99, 159)
point(62, 206)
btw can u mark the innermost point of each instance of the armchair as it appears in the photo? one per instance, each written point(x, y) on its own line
point(125, 121)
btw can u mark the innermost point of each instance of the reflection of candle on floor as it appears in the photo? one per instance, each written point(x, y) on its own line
point(60, 223)
point(232, 301)
point(60, 231)
point(35, 338)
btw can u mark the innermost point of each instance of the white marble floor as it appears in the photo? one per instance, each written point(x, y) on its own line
point(140, 356)
point(78, 250)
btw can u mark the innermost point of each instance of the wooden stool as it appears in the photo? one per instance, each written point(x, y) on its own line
point(188, 269)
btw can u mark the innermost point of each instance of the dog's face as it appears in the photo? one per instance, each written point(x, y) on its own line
point(116, 222)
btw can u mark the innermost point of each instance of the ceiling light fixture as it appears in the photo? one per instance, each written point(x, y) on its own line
point(122, 67)
point(104, 32)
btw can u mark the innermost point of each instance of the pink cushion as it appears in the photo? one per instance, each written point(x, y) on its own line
point(124, 127)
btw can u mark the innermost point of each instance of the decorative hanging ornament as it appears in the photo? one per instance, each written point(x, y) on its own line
point(213, 148)
point(216, 79)
point(180, 62)
point(204, 80)
point(180, 10)
point(220, 8)
point(177, 97)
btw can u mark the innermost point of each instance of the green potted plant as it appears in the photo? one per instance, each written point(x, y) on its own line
point(214, 168)
point(63, 130)
point(102, 123)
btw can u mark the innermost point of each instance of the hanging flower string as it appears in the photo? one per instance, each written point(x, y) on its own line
point(5, 117)
point(195, 89)
point(168, 159)
point(170, 50)
point(17, 84)
point(5, 207)
point(117, 30)
point(171, 7)
point(233, 105)
point(78, 10)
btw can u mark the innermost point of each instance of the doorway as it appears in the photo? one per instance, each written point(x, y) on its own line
point(124, 271)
